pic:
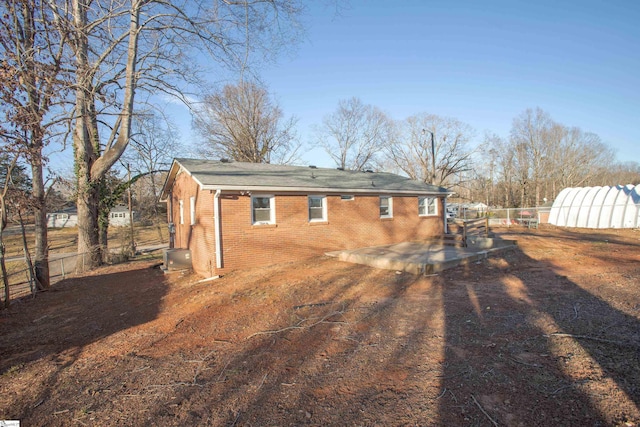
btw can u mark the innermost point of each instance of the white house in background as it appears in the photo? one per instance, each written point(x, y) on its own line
point(118, 217)
point(65, 218)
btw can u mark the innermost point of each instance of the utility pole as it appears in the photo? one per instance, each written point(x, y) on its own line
point(433, 156)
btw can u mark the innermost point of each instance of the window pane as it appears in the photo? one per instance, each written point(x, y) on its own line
point(262, 215)
point(315, 213)
point(422, 210)
point(384, 206)
point(315, 202)
point(316, 208)
point(261, 202)
point(431, 206)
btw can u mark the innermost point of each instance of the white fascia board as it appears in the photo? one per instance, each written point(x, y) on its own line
point(309, 190)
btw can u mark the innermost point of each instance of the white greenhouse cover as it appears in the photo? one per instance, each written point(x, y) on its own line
point(597, 207)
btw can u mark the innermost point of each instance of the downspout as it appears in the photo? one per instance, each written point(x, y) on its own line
point(171, 225)
point(217, 228)
point(444, 215)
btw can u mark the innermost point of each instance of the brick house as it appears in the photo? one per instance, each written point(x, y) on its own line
point(234, 215)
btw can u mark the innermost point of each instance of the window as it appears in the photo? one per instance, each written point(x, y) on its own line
point(192, 210)
point(346, 197)
point(386, 207)
point(317, 208)
point(181, 209)
point(263, 210)
point(427, 206)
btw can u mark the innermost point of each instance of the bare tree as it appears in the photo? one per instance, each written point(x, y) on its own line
point(533, 137)
point(32, 86)
point(579, 159)
point(620, 173)
point(411, 150)
point(133, 46)
point(154, 142)
point(242, 122)
point(355, 134)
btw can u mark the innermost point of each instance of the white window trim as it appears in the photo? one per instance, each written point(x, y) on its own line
point(192, 209)
point(390, 215)
point(324, 208)
point(426, 206)
point(272, 209)
point(181, 211)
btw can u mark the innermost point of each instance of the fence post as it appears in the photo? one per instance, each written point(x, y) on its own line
point(62, 266)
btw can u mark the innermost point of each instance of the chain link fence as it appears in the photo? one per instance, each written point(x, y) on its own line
point(20, 280)
point(520, 217)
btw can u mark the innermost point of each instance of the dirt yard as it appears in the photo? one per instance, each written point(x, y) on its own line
point(546, 334)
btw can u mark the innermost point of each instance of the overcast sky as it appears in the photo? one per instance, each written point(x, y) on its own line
point(482, 62)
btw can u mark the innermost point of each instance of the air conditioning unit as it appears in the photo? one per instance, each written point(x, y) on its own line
point(177, 259)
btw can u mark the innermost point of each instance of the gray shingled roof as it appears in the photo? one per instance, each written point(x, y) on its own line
point(241, 176)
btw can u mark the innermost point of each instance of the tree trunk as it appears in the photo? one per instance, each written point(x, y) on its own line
point(156, 214)
point(5, 277)
point(88, 244)
point(41, 261)
point(91, 167)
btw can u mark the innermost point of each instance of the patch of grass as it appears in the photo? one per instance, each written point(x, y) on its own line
point(14, 369)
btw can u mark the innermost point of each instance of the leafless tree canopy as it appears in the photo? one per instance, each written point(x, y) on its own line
point(125, 53)
point(33, 85)
point(355, 135)
point(410, 150)
point(242, 122)
point(541, 158)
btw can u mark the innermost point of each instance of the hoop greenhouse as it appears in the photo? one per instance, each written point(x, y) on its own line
point(597, 207)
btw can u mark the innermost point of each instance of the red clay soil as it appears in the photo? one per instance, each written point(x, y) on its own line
point(545, 334)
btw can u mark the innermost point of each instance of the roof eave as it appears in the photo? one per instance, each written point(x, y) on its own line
point(328, 190)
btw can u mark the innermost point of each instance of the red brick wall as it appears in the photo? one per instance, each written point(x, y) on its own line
point(199, 237)
point(350, 224)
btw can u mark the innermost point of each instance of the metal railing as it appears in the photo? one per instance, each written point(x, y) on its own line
point(525, 217)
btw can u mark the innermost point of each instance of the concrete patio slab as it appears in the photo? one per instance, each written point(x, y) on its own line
point(423, 257)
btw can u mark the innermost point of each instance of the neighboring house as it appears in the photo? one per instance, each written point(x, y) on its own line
point(65, 218)
point(234, 215)
point(119, 216)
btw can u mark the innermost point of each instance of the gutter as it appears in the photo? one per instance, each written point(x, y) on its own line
point(323, 190)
